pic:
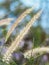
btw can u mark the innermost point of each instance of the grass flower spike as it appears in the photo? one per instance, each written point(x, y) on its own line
point(5, 21)
point(17, 22)
point(31, 52)
point(15, 44)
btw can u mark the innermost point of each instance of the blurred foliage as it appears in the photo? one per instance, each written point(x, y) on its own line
point(36, 34)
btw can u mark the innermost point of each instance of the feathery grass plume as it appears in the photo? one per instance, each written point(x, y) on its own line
point(5, 21)
point(17, 22)
point(15, 44)
point(31, 53)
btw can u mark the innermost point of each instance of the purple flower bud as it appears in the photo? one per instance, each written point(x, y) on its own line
point(4, 49)
point(21, 45)
point(45, 58)
point(18, 56)
point(2, 41)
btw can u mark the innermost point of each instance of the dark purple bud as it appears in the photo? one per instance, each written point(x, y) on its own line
point(30, 44)
point(24, 61)
point(47, 41)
